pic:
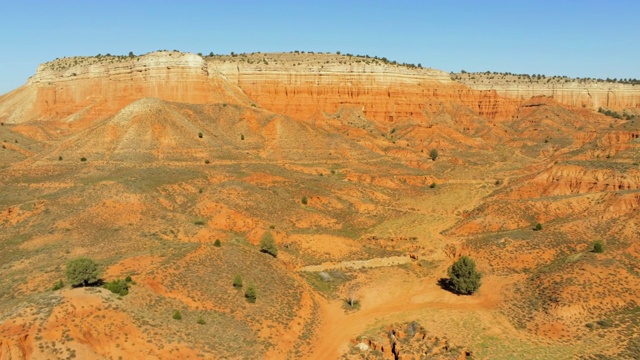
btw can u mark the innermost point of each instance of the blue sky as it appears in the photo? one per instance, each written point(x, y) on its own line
point(570, 37)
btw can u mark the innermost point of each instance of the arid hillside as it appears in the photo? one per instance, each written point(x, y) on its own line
point(371, 177)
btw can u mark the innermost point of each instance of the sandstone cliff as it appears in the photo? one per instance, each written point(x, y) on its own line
point(576, 93)
point(90, 87)
point(298, 85)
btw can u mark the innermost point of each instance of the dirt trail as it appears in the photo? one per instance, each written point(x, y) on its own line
point(339, 327)
point(358, 264)
point(399, 298)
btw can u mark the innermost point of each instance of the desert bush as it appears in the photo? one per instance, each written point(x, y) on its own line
point(433, 185)
point(207, 161)
point(217, 243)
point(83, 159)
point(177, 315)
point(268, 244)
point(251, 294)
point(304, 200)
point(538, 227)
point(82, 271)
point(59, 158)
point(433, 154)
point(241, 136)
point(200, 135)
point(128, 279)
point(598, 247)
point(199, 222)
point(120, 287)
point(463, 277)
point(237, 281)
point(57, 286)
point(201, 320)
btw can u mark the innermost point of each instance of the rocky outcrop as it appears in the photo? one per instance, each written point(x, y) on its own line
point(383, 92)
point(406, 341)
point(298, 85)
point(589, 94)
point(96, 87)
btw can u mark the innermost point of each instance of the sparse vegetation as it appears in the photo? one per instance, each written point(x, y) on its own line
point(57, 286)
point(177, 315)
point(433, 154)
point(251, 293)
point(120, 287)
point(83, 159)
point(598, 247)
point(538, 227)
point(200, 135)
point(304, 200)
point(433, 185)
point(237, 281)
point(463, 276)
point(268, 244)
point(82, 272)
point(217, 243)
point(200, 320)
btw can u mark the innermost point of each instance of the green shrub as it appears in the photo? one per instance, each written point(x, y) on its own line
point(199, 222)
point(177, 315)
point(200, 320)
point(59, 158)
point(538, 227)
point(598, 247)
point(251, 293)
point(463, 277)
point(207, 161)
point(433, 185)
point(200, 135)
point(217, 243)
point(272, 226)
point(237, 281)
point(120, 287)
point(304, 200)
point(128, 279)
point(83, 159)
point(82, 271)
point(433, 154)
point(57, 286)
point(241, 136)
point(268, 244)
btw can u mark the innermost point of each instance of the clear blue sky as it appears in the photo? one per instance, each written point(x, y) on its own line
point(586, 38)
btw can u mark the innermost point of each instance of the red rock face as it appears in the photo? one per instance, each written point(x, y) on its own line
point(385, 94)
point(91, 88)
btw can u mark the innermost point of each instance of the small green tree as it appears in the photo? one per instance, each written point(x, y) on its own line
point(201, 320)
point(217, 243)
point(598, 247)
point(304, 200)
point(433, 154)
point(82, 271)
point(268, 244)
point(251, 293)
point(538, 227)
point(237, 281)
point(177, 315)
point(463, 277)
point(433, 185)
point(200, 135)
